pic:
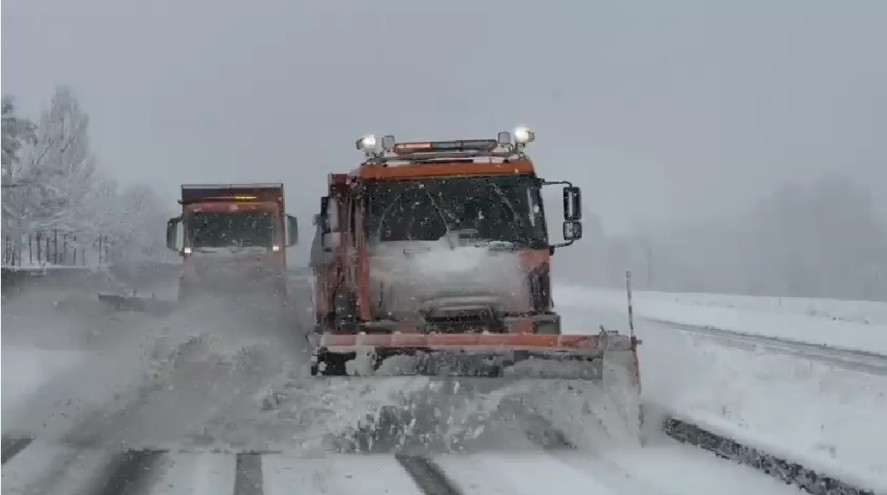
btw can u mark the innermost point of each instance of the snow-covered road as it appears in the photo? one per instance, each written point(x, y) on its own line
point(204, 389)
point(663, 468)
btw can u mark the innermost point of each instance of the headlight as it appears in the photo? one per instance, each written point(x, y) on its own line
point(523, 135)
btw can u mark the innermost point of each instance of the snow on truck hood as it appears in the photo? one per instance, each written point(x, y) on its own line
point(407, 275)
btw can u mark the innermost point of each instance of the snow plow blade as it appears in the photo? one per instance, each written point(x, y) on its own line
point(468, 355)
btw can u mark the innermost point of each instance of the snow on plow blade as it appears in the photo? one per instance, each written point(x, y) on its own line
point(471, 355)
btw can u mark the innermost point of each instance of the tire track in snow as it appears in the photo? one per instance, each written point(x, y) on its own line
point(429, 477)
point(128, 474)
point(248, 478)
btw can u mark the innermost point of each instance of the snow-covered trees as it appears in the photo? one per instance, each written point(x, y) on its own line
point(51, 182)
point(17, 131)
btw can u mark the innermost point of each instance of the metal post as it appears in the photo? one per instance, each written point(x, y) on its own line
point(55, 248)
point(630, 308)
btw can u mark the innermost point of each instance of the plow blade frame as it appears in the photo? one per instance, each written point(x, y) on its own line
point(471, 355)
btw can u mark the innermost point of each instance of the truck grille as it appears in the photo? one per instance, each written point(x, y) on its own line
point(461, 321)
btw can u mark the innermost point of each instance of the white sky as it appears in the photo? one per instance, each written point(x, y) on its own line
point(661, 111)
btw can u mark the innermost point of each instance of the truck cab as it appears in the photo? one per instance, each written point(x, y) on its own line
point(232, 239)
point(447, 237)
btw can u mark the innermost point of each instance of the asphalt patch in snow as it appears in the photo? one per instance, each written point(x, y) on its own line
point(429, 477)
point(129, 473)
point(248, 476)
point(13, 445)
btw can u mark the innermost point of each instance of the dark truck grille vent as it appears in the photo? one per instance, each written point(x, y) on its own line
point(540, 288)
point(465, 321)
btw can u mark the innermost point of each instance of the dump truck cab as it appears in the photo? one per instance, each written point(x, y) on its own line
point(439, 237)
point(232, 239)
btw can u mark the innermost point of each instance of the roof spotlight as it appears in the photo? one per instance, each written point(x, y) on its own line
point(523, 135)
point(366, 143)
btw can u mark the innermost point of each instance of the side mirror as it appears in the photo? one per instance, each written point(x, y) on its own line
point(330, 240)
point(572, 230)
point(171, 233)
point(572, 204)
point(292, 230)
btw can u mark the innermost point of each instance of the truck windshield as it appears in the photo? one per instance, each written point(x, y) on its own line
point(240, 229)
point(504, 208)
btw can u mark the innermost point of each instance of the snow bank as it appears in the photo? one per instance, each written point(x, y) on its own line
point(827, 419)
point(809, 412)
point(856, 325)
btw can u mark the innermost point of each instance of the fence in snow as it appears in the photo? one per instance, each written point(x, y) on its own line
point(54, 248)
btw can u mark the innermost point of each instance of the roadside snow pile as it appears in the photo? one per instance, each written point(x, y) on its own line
point(856, 325)
point(828, 419)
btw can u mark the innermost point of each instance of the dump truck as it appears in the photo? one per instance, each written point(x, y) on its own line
point(439, 252)
point(232, 239)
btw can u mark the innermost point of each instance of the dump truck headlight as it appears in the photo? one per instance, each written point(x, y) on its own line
point(186, 250)
point(275, 248)
point(523, 135)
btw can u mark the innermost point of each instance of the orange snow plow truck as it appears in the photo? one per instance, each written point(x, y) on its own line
point(433, 258)
point(232, 239)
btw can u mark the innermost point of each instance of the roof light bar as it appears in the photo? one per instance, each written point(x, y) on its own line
point(437, 146)
point(506, 143)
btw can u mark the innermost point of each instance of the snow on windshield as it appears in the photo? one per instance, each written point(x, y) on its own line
point(486, 208)
point(243, 229)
